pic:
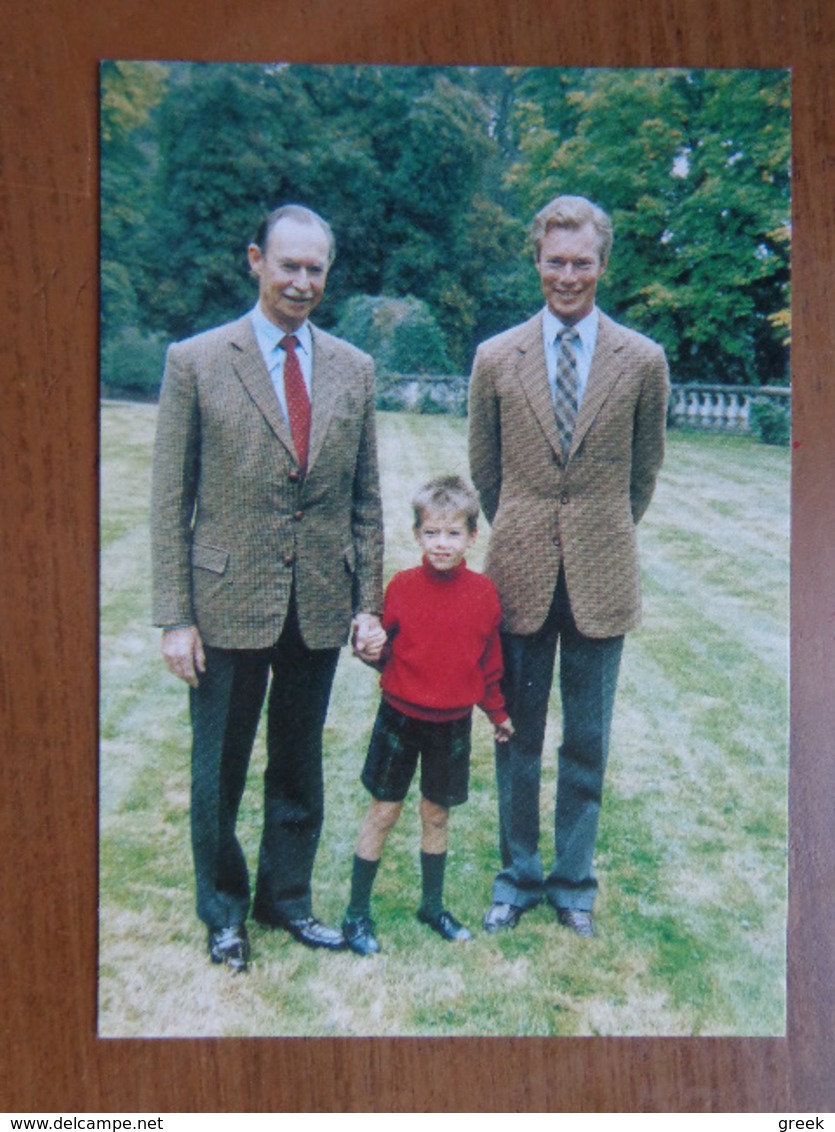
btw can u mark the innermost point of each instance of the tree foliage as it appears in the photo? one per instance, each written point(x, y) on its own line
point(129, 94)
point(693, 167)
point(430, 177)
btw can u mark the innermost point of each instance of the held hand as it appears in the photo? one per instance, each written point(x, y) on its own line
point(503, 731)
point(182, 650)
point(369, 637)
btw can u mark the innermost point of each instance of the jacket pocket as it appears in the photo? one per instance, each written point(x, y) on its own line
point(204, 557)
point(350, 558)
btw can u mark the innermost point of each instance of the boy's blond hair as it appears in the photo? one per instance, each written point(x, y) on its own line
point(447, 493)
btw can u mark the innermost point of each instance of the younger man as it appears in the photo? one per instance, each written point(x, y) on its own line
point(442, 657)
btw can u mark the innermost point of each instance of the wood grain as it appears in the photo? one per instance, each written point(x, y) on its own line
point(51, 1058)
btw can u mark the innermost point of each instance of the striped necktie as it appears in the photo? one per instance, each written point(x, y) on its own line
point(298, 402)
point(565, 386)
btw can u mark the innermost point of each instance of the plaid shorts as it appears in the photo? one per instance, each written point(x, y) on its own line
point(396, 742)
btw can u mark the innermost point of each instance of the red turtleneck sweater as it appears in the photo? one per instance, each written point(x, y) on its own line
point(443, 654)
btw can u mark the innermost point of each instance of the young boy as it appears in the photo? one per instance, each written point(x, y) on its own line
point(441, 658)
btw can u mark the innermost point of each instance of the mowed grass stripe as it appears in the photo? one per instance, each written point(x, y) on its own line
point(692, 842)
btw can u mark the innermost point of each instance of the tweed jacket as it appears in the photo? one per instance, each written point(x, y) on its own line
point(581, 512)
point(233, 523)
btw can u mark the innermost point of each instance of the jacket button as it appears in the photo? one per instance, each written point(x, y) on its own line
point(298, 515)
point(289, 559)
point(564, 497)
point(293, 477)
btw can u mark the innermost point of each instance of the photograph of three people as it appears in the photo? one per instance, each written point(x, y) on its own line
point(445, 422)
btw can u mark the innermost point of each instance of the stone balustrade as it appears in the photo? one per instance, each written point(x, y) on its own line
point(721, 408)
point(709, 408)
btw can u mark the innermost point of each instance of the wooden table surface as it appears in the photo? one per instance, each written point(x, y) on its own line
point(51, 1059)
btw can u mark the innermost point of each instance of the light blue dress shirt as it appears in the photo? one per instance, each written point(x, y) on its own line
point(584, 348)
point(269, 335)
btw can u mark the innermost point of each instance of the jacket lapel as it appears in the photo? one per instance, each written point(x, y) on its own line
point(325, 392)
point(248, 363)
point(533, 377)
point(606, 368)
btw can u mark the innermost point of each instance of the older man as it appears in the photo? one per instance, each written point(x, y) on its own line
point(567, 418)
point(267, 542)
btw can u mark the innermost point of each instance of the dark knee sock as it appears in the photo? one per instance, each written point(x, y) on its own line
point(432, 867)
point(362, 881)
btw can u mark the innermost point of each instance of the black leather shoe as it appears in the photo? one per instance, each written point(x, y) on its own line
point(502, 917)
point(359, 936)
point(577, 921)
point(313, 933)
point(230, 945)
point(446, 925)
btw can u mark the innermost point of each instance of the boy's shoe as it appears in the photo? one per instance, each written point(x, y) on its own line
point(446, 925)
point(359, 936)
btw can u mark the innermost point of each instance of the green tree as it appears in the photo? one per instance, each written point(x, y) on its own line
point(394, 157)
point(221, 145)
point(730, 231)
point(130, 92)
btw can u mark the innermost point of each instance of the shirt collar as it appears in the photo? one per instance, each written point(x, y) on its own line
point(586, 328)
point(269, 335)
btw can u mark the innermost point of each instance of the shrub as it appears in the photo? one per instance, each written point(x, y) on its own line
point(389, 400)
point(771, 421)
point(132, 362)
point(431, 406)
point(402, 335)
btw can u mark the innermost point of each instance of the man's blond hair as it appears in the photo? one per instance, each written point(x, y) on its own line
point(572, 213)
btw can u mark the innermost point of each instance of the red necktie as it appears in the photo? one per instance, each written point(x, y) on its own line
point(298, 402)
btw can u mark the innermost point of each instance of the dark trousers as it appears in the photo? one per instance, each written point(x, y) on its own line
point(588, 679)
point(225, 712)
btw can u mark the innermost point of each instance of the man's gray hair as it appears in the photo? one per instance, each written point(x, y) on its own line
point(301, 215)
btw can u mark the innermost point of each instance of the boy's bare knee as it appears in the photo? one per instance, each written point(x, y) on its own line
point(382, 816)
point(432, 815)
point(379, 821)
point(435, 820)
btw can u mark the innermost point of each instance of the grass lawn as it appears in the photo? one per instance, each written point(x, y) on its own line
point(692, 846)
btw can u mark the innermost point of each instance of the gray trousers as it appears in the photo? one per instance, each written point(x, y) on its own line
point(588, 679)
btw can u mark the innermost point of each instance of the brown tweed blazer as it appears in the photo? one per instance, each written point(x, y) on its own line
point(232, 525)
point(583, 513)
